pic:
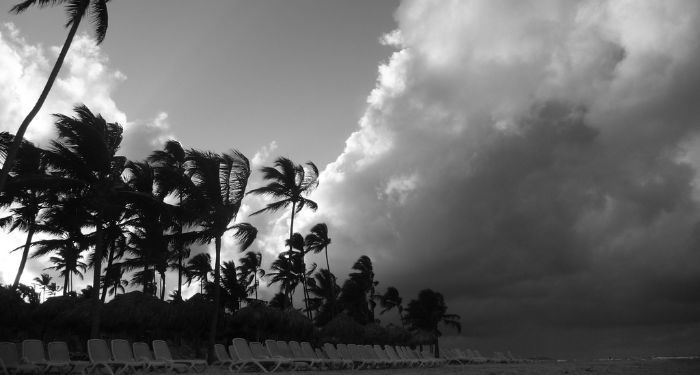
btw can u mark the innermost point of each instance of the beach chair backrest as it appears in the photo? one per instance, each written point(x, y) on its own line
point(220, 352)
point(322, 354)
point(161, 351)
point(232, 353)
point(98, 351)
point(242, 349)
point(391, 352)
point(121, 350)
point(258, 350)
point(272, 348)
point(33, 351)
point(296, 350)
point(284, 349)
point(142, 351)
point(58, 351)
point(8, 354)
point(331, 351)
point(381, 352)
point(307, 350)
point(355, 352)
point(343, 351)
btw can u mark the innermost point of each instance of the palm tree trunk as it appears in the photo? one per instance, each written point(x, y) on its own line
point(25, 253)
point(110, 259)
point(217, 296)
point(145, 279)
point(162, 286)
point(14, 148)
point(65, 283)
point(97, 265)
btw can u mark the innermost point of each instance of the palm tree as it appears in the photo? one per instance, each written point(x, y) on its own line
point(29, 198)
point(326, 292)
point(318, 241)
point(114, 279)
point(249, 271)
point(289, 183)
point(232, 288)
point(357, 297)
point(43, 281)
point(68, 263)
point(391, 300)
point(427, 312)
point(76, 10)
point(220, 182)
point(170, 178)
point(199, 268)
point(83, 157)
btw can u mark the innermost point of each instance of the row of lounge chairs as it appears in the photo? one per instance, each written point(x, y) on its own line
point(457, 356)
point(123, 358)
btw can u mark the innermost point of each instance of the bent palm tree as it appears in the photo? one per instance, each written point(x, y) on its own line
point(76, 10)
point(427, 312)
point(289, 182)
point(199, 268)
point(391, 300)
point(250, 271)
point(43, 281)
point(219, 182)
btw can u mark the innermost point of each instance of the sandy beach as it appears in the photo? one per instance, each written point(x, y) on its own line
point(649, 367)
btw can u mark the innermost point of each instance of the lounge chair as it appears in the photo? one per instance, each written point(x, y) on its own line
point(299, 362)
point(430, 356)
point(10, 362)
point(122, 352)
point(246, 358)
point(329, 351)
point(368, 352)
point(357, 355)
point(223, 360)
point(407, 353)
point(101, 357)
point(307, 351)
point(393, 354)
point(161, 351)
point(383, 354)
point(344, 352)
point(59, 353)
point(454, 357)
point(142, 352)
point(33, 353)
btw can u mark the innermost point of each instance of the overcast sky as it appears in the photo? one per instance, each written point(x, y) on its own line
point(534, 161)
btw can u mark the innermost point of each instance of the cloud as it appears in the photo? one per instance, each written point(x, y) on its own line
point(533, 162)
point(86, 77)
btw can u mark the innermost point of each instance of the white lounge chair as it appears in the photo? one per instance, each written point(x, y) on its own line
point(161, 351)
point(246, 358)
point(10, 363)
point(59, 353)
point(101, 358)
point(142, 352)
point(33, 353)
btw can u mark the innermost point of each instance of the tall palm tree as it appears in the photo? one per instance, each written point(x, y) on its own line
point(43, 281)
point(326, 291)
point(288, 270)
point(318, 241)
point(67, 262)
point(357, 297)
point(392, 300)
point(198, 268)
point(428, 312)
point(27, 196)
point(220, 182)
point(171, 179)
point(249, 271)
point(83, 157)
point(76, 10)
point(289, 183)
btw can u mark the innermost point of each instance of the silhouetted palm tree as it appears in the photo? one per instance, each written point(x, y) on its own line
point(326, 292)
point(67, 262)
point(357, 296)
point(76, 10)
point(249, 271)
point(43, 281)
point(27, 196)
point(429, 311)
point(391, 300)
point(83, 157)
point(289, 183)
point(171, 179)
point(232, 289)
point(220, 182)
point(318, 241)
point(198, 268)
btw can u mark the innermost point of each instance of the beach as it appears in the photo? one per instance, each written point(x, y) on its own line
point(631, 367)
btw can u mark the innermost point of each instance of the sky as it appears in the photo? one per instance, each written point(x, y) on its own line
point(536, 162)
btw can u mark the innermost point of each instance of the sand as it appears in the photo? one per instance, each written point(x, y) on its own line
point(649, 367)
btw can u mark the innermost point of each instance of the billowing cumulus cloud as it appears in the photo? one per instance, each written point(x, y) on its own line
point(533, 162)
point(85, 77)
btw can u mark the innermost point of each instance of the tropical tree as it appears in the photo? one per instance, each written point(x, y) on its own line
point(84, 159)
point(233, 291)
point(67, 262)
point(325, 291)
point(288, 183)
point(198, 268)
point(428, 312)
point(43, 282)
point(357, 295)
point(171, 179)
point(318, 241)
point(249, 272)
point(219, 182)
point(26, 198)
point(391, 300)
point(114, 279)
point(76, 10)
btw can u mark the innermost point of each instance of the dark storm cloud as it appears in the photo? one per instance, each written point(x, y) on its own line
point(534, 171)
